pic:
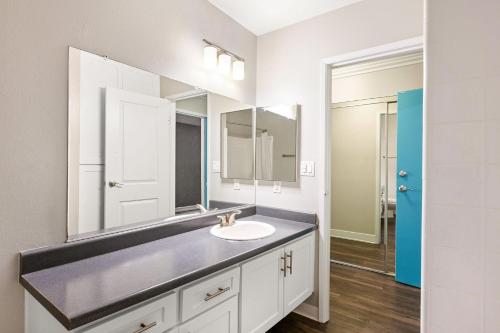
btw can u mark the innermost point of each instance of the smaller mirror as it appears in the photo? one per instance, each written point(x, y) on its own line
point(276, 143)
point(237, 144)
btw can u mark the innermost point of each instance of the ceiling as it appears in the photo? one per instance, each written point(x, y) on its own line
point(263, 16)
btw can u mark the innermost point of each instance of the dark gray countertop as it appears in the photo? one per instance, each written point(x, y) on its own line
point(83, 291)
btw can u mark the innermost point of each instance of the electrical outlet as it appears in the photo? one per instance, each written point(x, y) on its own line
point(236, 185)
point(277, 187)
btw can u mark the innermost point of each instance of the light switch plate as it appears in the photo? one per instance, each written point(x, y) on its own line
point(307, 168)
point(216, 166)
point(236, 185)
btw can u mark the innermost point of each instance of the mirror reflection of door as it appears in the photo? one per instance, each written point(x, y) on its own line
point(137, 158)
point(356, 149)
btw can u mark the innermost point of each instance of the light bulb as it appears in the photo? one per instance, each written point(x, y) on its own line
point(238, 70)
point(210, 56)
point(224, 63)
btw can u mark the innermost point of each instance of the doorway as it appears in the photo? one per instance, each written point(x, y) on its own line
point(191, 152)
point(363, 160)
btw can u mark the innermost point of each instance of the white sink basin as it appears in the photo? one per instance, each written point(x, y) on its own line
point(243, 230)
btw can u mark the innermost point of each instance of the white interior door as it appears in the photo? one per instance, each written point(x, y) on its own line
point(138, 158)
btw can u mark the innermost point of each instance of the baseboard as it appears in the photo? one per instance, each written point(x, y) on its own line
point(357, 236)
point(308, 311)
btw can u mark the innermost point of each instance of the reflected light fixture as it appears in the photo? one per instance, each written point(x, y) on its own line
point(210, 56)
point(238, 70)
point(216, 57)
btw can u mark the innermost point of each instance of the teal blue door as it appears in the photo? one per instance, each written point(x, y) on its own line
point(409, 187)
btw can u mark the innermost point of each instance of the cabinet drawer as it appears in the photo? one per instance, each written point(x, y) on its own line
point(223, 318)
point(154, 317)
point(205, 294)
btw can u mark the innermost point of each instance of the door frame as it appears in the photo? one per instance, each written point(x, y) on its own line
point(391, 49)
point(204, 137)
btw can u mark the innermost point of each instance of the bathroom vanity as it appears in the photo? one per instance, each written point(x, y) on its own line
point(190, 281)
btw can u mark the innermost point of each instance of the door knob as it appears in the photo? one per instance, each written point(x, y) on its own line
point(115, 184)
point(404, 188)
point(402, 173)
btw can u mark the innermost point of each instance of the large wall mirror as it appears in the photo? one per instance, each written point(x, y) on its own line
point(145, 148)
point(276, 143)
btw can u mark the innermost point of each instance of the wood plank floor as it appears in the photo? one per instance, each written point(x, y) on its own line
point(362, 302)
point(366, 254)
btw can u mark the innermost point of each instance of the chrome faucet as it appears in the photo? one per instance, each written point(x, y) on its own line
point(228, 219)
point(201, 208)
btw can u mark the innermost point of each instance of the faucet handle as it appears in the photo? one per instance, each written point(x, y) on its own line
point(232, 216)
point(222, 220)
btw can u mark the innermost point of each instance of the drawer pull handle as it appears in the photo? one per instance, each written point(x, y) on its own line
point(145, 327)
point(291, 261)
point(217, 293)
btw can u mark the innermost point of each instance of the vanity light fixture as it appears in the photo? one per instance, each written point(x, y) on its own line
point(215, 56)
point(210, 56)
point(225, 63)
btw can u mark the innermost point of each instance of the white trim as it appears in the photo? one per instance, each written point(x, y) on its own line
point(172, 123)
point(187, 94)
point(401, 47)
point(324, 196)
point(307, 310)
point(379, 65)
point(73, 194)
point(190, 113)
point(397, 48)
point(357, 236)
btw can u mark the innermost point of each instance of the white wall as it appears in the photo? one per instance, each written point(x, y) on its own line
point(160, 36)
point(288, 72)
point(462, 203)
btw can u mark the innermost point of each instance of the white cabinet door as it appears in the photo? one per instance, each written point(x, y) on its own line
point(262, 292)
point(138, 158)
point(221, 319)
point(298, 284)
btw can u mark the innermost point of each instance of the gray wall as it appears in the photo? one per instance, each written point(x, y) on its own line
point(156, 35)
